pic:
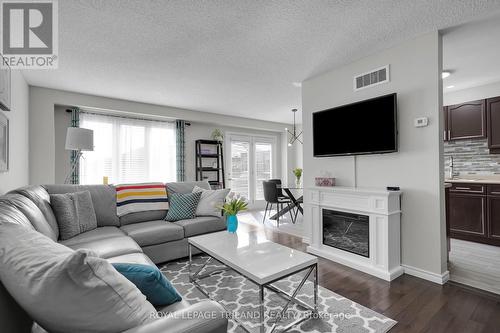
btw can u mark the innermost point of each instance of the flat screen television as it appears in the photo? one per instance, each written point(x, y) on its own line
point(366, 127)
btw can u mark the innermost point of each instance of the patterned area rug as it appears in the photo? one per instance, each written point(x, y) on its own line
point(239, 295)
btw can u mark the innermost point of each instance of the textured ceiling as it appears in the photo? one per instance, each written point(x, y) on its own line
point(472, 53)
point(237, 57)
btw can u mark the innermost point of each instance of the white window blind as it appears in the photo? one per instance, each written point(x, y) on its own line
point(128, 150)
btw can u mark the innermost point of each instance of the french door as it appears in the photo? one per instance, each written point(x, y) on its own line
point(252, 159)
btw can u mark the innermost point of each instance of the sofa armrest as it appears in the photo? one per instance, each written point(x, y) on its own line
point(202, 317)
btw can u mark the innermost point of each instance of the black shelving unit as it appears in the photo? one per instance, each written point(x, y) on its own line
point(210, 164)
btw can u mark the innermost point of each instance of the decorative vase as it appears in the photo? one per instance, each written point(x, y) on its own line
point(232, 223)
point(297, 182)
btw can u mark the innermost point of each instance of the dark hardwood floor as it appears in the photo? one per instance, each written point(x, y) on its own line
point(418, 305)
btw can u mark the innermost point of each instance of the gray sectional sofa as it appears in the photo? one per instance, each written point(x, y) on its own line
point(143, 238)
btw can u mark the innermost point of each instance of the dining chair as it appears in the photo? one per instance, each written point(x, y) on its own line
point(295, 211)
point(279, 189)
point(271, 195)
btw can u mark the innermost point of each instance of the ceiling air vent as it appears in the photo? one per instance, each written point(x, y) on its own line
point(372, 78)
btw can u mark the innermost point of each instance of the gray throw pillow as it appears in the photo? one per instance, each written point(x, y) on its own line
point(211, 201)
point(74, 213)
point(65, 290)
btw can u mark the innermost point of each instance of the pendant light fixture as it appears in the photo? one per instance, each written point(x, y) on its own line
point(294, 136)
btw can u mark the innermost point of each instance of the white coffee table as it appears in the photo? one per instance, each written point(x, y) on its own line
point(259, 260)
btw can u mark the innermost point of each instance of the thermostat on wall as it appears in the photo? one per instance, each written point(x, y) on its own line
point(421, 122)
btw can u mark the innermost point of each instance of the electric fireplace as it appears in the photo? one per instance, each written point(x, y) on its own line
point(347, 231)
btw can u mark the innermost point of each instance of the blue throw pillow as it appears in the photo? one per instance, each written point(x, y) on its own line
point(151, 282)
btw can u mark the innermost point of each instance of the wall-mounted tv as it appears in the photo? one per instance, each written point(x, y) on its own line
point(366, 127)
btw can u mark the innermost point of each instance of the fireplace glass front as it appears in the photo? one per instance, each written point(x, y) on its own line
point(346, 231)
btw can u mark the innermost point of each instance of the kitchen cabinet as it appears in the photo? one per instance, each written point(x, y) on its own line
point(473, 212)
point(467, 214)
point(445, 127)
point(493, 120)
point(494, 217)
point(466, 120)
point(494, 212)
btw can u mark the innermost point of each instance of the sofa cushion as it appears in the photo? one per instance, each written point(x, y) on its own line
point(11, 214)
point(108, 247)
point(153, 232)
point(103, 198)
point(32, 213)
point(177, 306)
point(39, 195)
point(186, 187)
point(151, 215)
point(133, 258)
point(94, 235)
point(201, 225)
point(74, 213)
point(64, 290)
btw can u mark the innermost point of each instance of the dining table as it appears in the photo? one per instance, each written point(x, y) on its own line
point(296, 200)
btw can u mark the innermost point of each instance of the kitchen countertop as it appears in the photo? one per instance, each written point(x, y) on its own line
point(480, 179)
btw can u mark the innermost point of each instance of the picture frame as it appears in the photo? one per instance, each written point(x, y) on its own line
point(4, 143)
point(5, 85)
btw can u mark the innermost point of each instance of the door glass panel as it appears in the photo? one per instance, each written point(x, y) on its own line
point(263, 167)
point(240, 166)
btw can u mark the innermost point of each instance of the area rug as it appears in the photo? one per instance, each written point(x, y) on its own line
point(240, 296)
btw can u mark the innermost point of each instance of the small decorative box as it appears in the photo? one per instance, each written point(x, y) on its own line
point(324, 181)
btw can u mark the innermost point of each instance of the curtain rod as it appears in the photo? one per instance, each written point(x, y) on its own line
point(126, 117)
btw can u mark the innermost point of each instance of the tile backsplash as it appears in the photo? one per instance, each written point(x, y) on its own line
point(471, 157)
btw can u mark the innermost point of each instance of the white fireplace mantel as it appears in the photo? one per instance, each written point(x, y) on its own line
point(383, 209)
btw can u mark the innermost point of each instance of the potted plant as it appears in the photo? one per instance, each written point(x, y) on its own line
point(231, 208)
point(217, 135)
point(298, 174)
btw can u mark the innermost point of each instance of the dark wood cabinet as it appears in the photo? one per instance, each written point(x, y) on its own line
point(494, 218)
point(473, 212)
point(445, 127)
point(467, 214)
point(476, 119)
point(493, 119)
point(466, 120)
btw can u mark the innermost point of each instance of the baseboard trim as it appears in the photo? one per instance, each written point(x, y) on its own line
point(426, 275)
point(477, 290)
point(387, 275)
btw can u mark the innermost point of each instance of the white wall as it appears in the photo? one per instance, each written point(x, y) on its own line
point(471, 94)
point(415, 66)
point(48, 123)
point(18, 173)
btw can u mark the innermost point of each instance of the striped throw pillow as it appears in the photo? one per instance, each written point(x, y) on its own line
point(133, 198)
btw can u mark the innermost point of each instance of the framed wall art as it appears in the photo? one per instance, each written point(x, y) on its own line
point(4, 143)
point(4, 85)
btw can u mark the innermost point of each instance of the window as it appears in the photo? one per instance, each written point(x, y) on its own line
point(251, 161)
point(128, 150)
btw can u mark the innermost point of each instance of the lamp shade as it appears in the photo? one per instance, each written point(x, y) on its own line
point(79, 139)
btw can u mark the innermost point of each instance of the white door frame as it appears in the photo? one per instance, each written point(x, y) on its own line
point(252, 139)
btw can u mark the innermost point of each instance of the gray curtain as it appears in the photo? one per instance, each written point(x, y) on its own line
point(75, 122)
point(181, 150)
